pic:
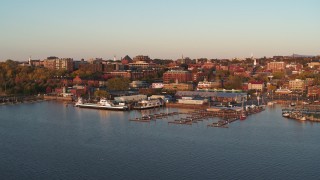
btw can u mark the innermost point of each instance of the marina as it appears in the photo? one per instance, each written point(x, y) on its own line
point(305, 113)
point(224, 116)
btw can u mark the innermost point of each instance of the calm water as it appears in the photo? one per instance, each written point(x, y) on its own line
point(51, 141)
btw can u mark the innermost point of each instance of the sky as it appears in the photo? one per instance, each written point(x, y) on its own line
point(165, 29)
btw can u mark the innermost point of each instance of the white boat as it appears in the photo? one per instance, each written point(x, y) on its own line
point(292, 104)
point(102, 104)
point(285, 114)
point(302, 118)
point(148, 104)
point(270, 103)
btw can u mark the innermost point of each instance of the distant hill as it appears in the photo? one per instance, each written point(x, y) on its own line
point(302, 56)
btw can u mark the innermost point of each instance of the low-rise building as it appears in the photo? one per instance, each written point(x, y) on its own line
point(207, 85)
point(157, 85)
point(314, 64)
point(178, 86)
point(297, 85)
point(256, 86)
point(138, 84)
point(314, 91)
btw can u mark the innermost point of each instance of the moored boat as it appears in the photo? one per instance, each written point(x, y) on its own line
point(243, 116)
point(148, 104)
point(302, 118)
point(270, 103)
point(102, 104)
point(285, 114)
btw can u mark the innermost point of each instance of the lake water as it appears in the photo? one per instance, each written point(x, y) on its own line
point(50, 140)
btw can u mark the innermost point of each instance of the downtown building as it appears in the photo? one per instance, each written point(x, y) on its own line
point(276, 66)
point(297, 85)
point(56, 63)
point(180, 76)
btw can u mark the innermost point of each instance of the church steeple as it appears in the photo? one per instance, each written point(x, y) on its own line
point(254, 60)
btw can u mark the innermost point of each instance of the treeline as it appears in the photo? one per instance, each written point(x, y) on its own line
point(26, 80)
point(15, 79)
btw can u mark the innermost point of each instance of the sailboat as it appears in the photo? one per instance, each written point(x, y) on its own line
point(242, 115)
point(271, 103)
point(292, 103)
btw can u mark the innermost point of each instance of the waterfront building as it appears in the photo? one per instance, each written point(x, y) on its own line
point(179, 86)
point(207, 85)
point(138, 84)
point(283, 91)
point(215, 96)
point(130, 98)
point(192, 100)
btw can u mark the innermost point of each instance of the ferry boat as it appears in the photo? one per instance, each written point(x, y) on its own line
point(102, 104)
point(148, 104)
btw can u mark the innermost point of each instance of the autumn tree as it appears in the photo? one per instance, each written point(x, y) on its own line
point(118, 84)
point(101, 93)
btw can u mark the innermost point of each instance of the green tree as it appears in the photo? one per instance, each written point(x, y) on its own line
point(118, 84)
point(101, 93)
point(234, 82)
point(278, 75)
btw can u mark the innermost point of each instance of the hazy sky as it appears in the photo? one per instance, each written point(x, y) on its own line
point(158, 28)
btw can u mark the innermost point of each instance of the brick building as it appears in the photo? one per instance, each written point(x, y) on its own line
point(55, 63)
point(177, 75)
point(314, 91)
point(276, 66)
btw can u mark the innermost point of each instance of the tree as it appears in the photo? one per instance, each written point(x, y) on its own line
point(278, 75)
point(118, 84)
point(234, 82)
point(101, 93)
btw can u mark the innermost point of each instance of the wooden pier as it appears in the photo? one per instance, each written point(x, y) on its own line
point(227, 115)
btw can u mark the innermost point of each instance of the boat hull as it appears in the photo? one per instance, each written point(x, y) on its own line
point(144, 107)
point(112, 108)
